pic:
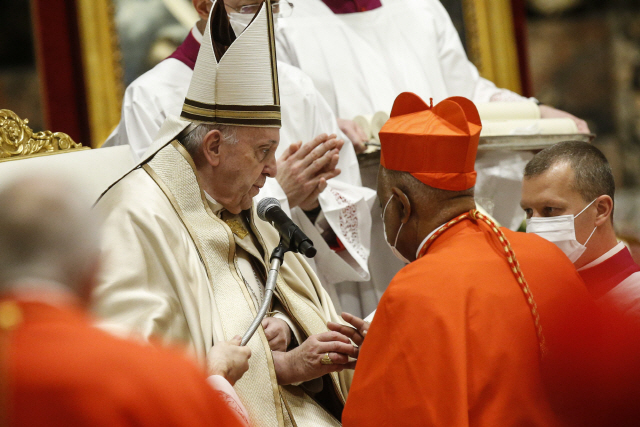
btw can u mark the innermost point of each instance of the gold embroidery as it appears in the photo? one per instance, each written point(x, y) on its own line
point(237, 227)
point(18, 141)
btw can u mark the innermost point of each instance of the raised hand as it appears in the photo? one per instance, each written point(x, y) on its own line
point(355, 134)
point(304, 169)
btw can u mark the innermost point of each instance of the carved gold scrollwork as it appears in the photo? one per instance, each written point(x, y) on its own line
point(18, 140)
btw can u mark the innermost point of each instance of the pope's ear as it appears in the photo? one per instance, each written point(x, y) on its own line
point(604, 206)
point(203, 7)
point(211, 144)
point(406, 205)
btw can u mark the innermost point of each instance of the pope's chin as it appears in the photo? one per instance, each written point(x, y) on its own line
point(247, 200)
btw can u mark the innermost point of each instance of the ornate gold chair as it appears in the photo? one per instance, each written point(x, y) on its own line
point(25, 153)
point(18, 141)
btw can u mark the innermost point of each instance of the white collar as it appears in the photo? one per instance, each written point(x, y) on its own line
point(617, 248)
point(215, 206)
point(427, 238)
point(196, 34)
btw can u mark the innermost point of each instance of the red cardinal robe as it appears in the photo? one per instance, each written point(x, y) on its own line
point(453, 341)
point(58, 370)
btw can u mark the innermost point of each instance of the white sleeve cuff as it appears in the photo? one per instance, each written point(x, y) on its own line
point(294, 330)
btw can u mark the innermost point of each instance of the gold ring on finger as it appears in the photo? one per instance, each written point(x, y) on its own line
point(326, 360)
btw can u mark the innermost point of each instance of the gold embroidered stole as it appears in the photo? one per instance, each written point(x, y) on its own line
point(267, 403)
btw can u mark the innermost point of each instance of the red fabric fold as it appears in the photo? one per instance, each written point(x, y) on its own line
point(605, 276)
point(352, 6)
point(187, 52)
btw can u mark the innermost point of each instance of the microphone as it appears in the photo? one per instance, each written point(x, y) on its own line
point(269, 210)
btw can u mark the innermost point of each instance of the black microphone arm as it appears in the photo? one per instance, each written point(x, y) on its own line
point(291, 239)
point(269, 210)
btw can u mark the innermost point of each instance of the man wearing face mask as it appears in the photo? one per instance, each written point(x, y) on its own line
point(567, 195)
point(338, 220)
point(459, 334)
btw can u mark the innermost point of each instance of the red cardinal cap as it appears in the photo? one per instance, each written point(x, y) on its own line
point(437, 145)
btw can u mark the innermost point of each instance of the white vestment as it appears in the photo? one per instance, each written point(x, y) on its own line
point(346, 205)
point(175, 269)
point(360, 62)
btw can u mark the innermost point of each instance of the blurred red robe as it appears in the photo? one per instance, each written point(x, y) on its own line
point(58, 370)
point(453, 341)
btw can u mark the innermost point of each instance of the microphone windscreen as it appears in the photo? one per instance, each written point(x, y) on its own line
point(264, 205)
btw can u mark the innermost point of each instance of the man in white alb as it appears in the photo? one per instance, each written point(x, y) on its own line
point(361, 54)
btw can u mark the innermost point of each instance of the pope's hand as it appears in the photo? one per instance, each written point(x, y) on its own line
point(303, 169)
point(277, 332)
point(305, 362)
point(357, 333)
point(355, 134)
point(547, 112)
point(229, 359)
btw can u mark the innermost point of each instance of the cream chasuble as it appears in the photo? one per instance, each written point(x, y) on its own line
point(346, 204)
point(172, 272)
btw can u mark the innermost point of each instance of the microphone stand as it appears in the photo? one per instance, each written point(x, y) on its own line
point(277, 258)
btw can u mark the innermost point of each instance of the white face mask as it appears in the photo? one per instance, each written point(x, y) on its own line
point(395, 251)
point(240, 21)
point(561, 231)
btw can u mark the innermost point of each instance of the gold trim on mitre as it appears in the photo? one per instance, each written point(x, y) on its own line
point(264, 115)
point(240, 86)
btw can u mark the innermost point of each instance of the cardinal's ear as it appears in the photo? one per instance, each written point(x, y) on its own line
point(406, 204)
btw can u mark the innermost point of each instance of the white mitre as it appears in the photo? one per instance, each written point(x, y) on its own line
point(235, 80)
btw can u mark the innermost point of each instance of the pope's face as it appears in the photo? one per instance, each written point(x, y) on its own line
point(245, 166)
point(552, 193)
